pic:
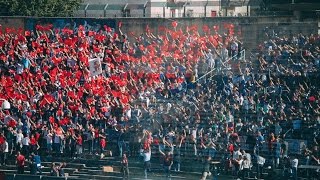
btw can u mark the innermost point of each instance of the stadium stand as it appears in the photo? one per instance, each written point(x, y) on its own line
point(181, 96)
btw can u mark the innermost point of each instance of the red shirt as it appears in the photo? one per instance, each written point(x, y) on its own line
point(33, 141)
point(2, 140)
point(79, 140)
point(20, 160)
point(103, 143)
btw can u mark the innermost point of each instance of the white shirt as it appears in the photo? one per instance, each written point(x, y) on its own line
point(261, 160)
point(128, 113)
point(294, 163)
point(245, 164)
point(236, 155)
point(19, 138)
point(7, 147)
point(19, 68)
point(56, 139)
point(241, 164)
point(49, 138)
point(146, 156)
point(25, 141)
point(194, 133)
point(248, 157)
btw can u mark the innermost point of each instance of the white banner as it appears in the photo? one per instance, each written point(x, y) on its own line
point(95, 67)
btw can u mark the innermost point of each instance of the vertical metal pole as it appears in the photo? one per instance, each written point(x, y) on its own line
point(163, 12)
point(105, 10)
point(205, 9)
point(144, 8)
point(85, 10)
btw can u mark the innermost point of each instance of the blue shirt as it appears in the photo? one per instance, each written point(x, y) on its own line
point(37, 160)
point(26, 63)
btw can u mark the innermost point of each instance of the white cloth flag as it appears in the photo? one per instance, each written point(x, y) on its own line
point(95, 67)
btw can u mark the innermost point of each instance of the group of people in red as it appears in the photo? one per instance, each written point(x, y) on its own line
point(55, 102)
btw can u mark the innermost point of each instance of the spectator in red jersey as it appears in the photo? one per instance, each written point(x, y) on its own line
point(34, 146)
point(125, 166)
point(2, 138)
point(79, 142)
point(20, 162)
point(102, 141)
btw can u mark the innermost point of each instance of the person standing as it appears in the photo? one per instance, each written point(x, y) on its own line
point(5, 152)
point(125, 166)
point(245, 166)
point(78, 145)
point(277, 152)
point(294, 167)
point(177, 154)
point(56, 143)
point(260, 163)
point(19, 137)
point(167, 163)
point(3, 147)
point(25, 146)
point(146, 159)
point(121, 143)
point(20, 162)
point(206, 168)
point(37, 160)
point(49, 140)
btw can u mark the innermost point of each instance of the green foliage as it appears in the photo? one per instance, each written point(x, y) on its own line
point(39, 8)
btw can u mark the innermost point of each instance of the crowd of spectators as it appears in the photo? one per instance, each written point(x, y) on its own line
point(187, 92)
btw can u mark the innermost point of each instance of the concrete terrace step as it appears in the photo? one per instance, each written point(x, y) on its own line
point(10, 176)
point(68, 164)
point(151, 175)
point(43, 169)
point(27, 172)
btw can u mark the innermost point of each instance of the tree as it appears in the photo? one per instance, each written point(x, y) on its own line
point(39, 8)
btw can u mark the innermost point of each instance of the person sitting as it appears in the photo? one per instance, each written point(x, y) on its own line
point(54, 171)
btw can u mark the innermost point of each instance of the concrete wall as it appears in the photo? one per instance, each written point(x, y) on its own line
point(250, 29)
point(12, 22)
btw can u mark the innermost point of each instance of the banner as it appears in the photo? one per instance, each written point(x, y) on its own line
point(95, 67)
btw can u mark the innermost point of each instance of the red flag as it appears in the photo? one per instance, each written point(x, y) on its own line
point(161, 28)
point(174, 24)
point(51, 119)
point(120, 24)
point(147, 29)
point(115, 93)
point(81, 34)
point(124, 99)
point(91, 33)
point(39, 27)
point(215, 28)
point(20, 30)
point(205, 28)
point(27, 33)
point(81, 28)
point(8, 30)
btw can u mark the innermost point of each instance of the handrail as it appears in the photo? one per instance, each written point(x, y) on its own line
point(242, 55)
